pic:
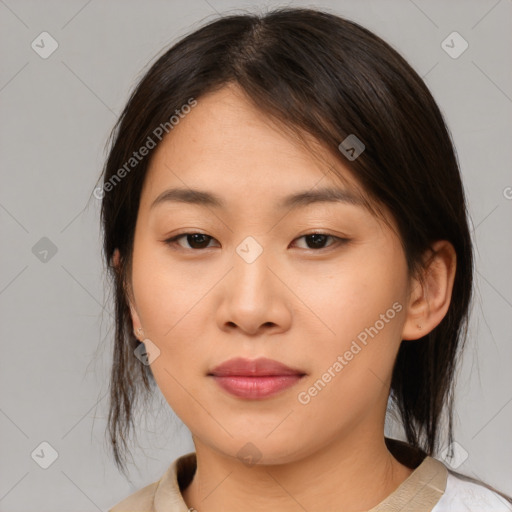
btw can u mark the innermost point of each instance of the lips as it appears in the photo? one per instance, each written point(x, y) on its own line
point(257, 379)
point(261, 367)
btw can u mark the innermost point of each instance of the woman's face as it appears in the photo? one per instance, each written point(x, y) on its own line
point(255, 285)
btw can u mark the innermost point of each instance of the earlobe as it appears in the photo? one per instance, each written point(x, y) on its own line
point(431, 294)
point(136, 323)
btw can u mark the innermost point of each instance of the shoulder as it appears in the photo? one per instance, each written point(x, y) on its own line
point(140, 501)
point(465, 495)
point(165, 494)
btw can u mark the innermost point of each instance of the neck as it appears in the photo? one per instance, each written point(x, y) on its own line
point(353, 474)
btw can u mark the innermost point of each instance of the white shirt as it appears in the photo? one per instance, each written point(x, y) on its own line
point(464, 496)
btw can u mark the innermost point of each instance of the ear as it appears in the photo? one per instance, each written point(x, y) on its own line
point(116, 259)
point(431, 294)
point(133, 312)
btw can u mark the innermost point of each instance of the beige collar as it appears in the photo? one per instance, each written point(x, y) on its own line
point(419, 492)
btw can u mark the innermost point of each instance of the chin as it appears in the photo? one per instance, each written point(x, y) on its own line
point(256, 450)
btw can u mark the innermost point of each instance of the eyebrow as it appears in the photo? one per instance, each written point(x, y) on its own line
point(299, 199)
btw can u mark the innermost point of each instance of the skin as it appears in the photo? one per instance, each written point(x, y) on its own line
point(295, 303)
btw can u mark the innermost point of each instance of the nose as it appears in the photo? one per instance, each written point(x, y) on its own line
point(254, 297)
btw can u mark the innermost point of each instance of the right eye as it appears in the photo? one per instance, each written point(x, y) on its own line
point(195, 240)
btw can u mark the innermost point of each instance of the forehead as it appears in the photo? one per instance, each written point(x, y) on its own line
point(226, 144)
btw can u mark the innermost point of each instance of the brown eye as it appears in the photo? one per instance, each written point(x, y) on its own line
point(318, 241)
point(198, 241)
point(194, 240)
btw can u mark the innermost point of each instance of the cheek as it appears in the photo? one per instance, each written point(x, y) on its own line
point(165, 300)
point(358, 292)
point(164, 294)
point(365, 311)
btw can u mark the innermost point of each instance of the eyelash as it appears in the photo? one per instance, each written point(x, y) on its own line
point(173, 241)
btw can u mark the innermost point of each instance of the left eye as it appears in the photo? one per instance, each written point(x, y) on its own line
point(198, 241)
point(317, 240)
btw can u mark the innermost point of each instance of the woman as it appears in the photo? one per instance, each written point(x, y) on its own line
point(286, 229)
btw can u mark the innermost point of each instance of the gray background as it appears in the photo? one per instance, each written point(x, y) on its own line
point(56, 316)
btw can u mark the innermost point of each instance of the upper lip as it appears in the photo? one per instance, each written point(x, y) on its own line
point(253, 368)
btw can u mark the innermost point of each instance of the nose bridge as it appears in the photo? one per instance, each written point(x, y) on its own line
point(251, 273)
point(251, 298)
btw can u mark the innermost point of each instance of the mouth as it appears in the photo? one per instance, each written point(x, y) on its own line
point(255, 379)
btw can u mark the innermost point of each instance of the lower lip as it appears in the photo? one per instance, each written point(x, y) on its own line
point(256, 387)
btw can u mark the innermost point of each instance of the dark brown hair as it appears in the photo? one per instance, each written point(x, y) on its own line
point(327, 77)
